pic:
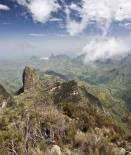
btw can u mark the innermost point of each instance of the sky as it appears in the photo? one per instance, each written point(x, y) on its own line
point(43, 27)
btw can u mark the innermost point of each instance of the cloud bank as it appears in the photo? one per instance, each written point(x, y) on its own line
point(103, 12)
point(105, 48)
point(79, 14)
point(4, 7)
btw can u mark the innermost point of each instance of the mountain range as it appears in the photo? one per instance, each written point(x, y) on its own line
point(65, 105)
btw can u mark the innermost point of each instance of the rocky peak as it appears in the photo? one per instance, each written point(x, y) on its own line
point(30, 78)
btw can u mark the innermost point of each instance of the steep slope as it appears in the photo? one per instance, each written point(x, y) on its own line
point(5, 97)
point(113, 74)
point(52, 112)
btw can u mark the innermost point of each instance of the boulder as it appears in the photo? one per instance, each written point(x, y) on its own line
point(55, 150)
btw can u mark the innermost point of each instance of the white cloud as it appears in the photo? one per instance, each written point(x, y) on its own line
point(55, 20)
point(72, 26)
point(36, 35)
point(4, 7)
point(40, 9)
point(104, 12)
point(104, 48)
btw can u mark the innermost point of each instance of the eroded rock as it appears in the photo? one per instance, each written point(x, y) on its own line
point(30, 78)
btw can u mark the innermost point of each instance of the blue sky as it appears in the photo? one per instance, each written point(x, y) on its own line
point(18, 19)
point(28, 22)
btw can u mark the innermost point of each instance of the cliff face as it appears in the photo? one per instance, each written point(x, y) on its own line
point(30, 78)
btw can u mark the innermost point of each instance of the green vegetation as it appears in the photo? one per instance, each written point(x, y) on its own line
point(71, 115)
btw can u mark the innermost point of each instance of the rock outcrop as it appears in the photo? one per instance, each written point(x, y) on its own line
point(30, 79)
point(4, 97)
